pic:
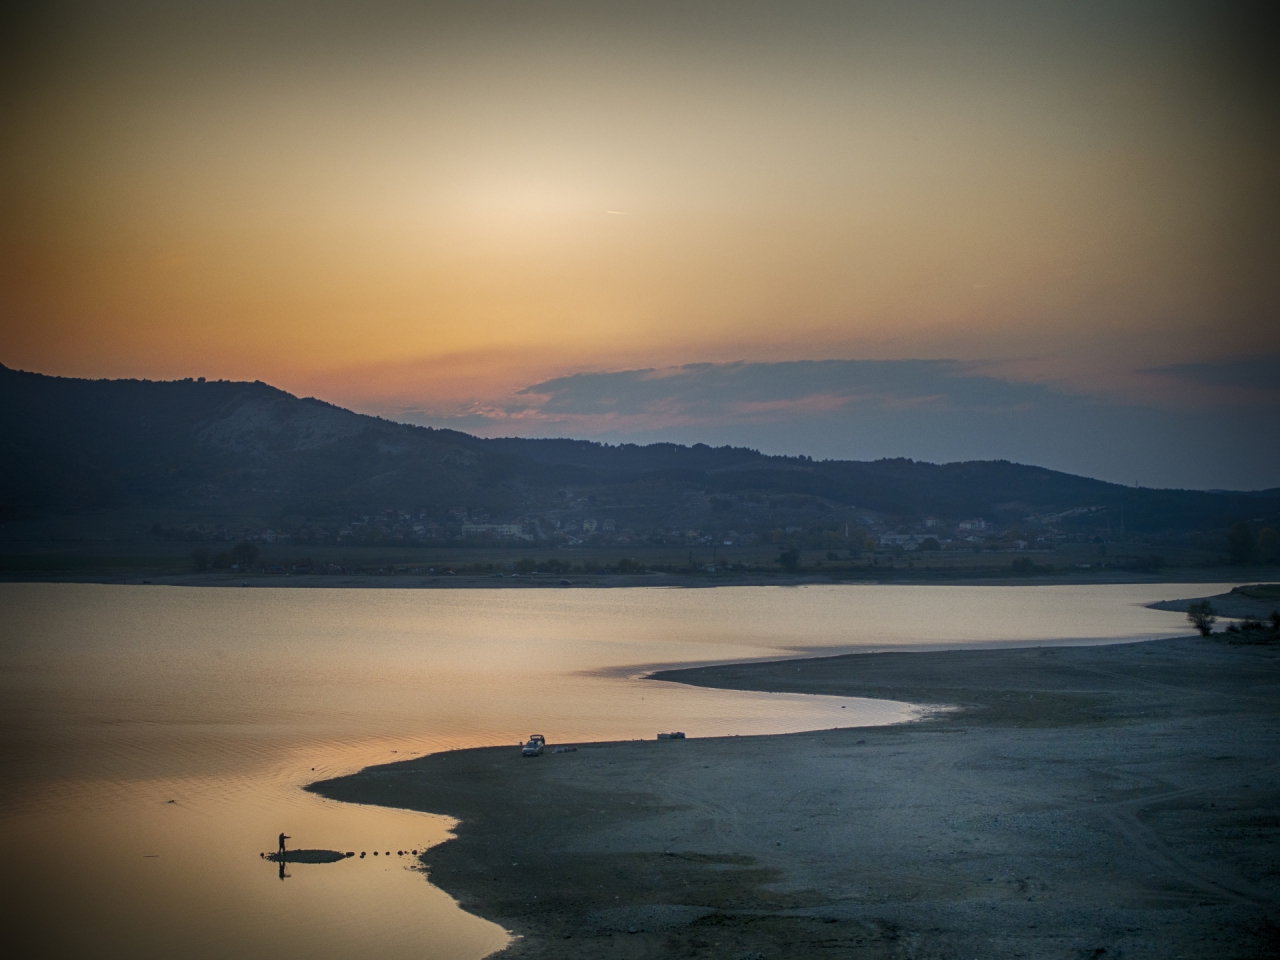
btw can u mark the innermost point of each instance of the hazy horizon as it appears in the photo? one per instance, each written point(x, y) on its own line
point(604, 410)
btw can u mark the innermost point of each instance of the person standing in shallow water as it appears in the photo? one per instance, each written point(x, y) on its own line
point(283, 838)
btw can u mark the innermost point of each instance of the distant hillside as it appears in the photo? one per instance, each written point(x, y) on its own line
point(68, 446)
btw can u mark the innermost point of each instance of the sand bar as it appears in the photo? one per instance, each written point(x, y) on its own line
point(1259, 601)
point(1083, 802)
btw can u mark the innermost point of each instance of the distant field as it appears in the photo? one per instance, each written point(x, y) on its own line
point(1261, 591)
point(145, 557)
point(72, 564)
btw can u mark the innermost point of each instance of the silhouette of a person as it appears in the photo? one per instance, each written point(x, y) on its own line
point(283, 838)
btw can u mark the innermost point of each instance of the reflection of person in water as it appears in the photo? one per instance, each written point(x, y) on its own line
point(282, 873)
point(283, 838)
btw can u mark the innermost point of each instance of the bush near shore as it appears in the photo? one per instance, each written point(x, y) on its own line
point(1203, 616)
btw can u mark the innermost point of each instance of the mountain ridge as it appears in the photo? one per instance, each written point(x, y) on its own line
point(74, 445)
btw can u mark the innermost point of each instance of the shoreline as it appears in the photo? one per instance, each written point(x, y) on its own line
point(1235, 605)
point(1121, 798)
point(614, 581)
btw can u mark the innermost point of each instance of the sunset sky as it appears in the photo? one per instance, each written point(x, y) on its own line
point(1040, 231)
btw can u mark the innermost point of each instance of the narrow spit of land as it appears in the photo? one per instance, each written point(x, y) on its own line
point(1257, 600)
point(1081, 802)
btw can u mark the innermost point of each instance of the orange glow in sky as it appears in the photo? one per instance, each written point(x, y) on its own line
point(438, 204)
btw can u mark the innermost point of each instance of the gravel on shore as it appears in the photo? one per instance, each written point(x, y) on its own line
point(1103, 801)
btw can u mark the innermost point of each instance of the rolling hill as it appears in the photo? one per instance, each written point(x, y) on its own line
point(71, 446)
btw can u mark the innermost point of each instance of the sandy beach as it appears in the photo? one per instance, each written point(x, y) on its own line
point(1078, 802)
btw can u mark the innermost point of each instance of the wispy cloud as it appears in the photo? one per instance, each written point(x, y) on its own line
point(1242, 381)
point(939, 410)
point(774, 392)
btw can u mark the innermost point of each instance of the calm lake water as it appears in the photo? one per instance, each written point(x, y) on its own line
point(153, 740)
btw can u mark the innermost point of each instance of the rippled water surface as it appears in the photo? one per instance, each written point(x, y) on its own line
point(153, 740)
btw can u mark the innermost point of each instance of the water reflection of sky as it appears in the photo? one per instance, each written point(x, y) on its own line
point(155, 739)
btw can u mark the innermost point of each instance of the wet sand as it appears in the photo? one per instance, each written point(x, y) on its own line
point(1081, 802)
